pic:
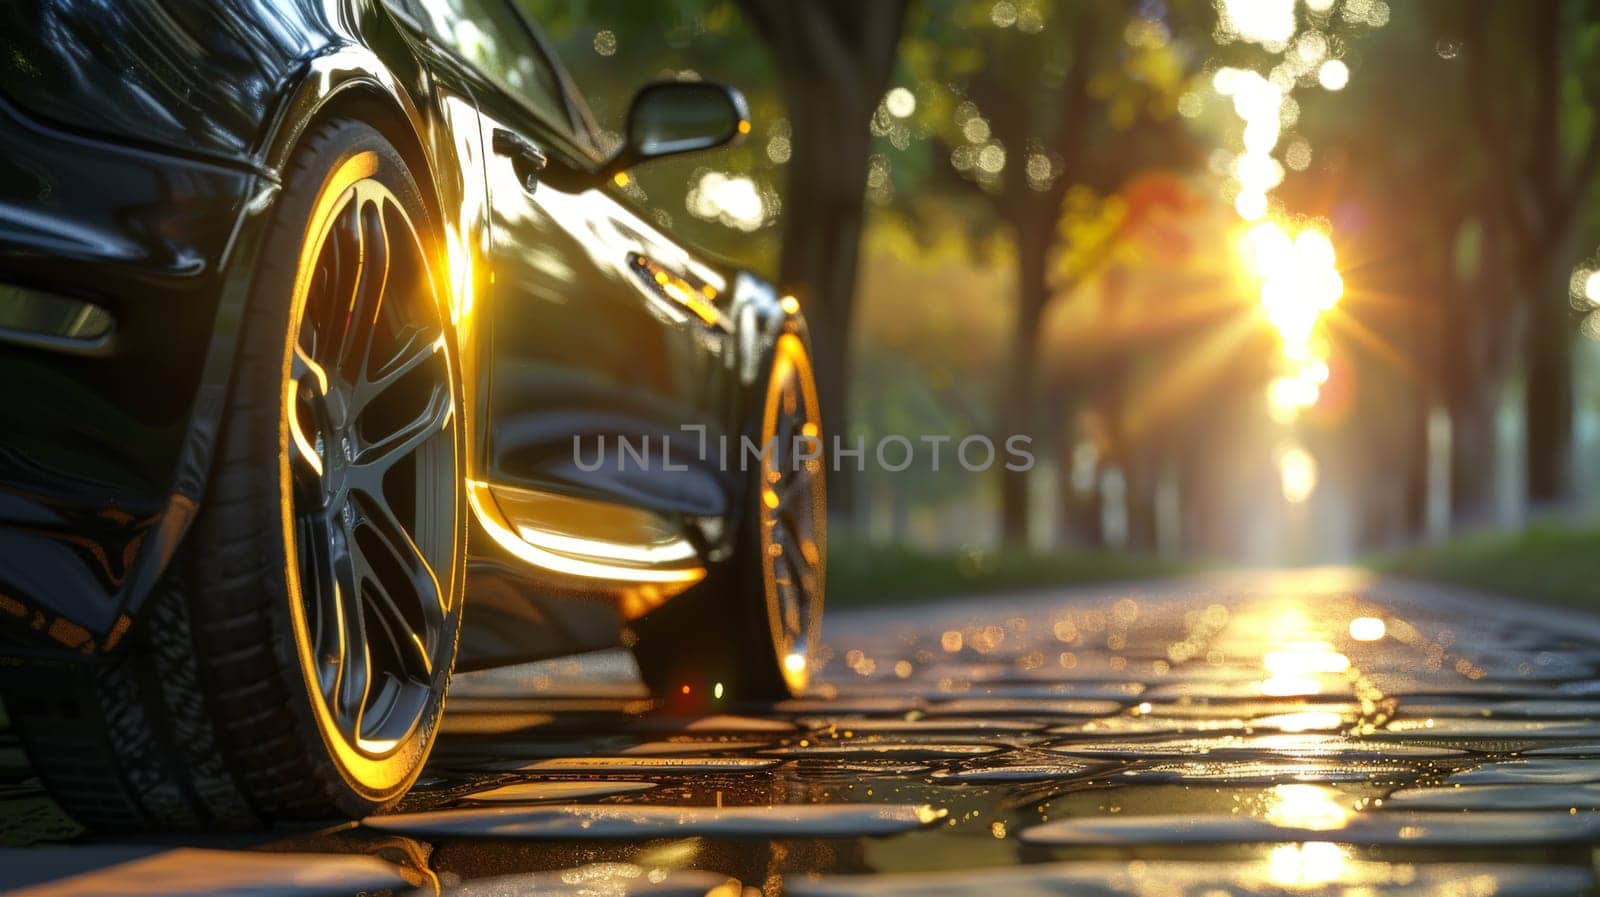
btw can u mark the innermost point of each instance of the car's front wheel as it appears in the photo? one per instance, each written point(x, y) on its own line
point(751, 628)
point(294, 664)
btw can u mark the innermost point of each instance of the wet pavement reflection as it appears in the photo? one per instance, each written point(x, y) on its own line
point(1302, 733)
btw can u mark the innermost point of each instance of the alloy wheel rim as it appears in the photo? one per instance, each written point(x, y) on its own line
point(371, 420)
point(793, 511)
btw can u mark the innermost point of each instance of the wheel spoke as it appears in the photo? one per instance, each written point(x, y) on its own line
point(354, 675)
point(409, 646)
point(319, 584)
point(791, 610)
point(792, 556)
point(785, 578)
point(308, 390)
point(420, 586)
point(801, 568)
point(355, 679)
point(794, 492)
point(377, 458)
point(796, 511)
point(307, 373)
point(798, 529)
point(784, 459)
point(367, 299)
point(419, 348)
point(307, 462)
point(328, 311)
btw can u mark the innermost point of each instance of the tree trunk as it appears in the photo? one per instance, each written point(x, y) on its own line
point(1140, 473)
point(1473, 454)
point(834, 58)
point(1547, 400)
point(1016, 406)
point(1080, 512)
point(820, 255)
point(1414, 512)
point(1478, 333)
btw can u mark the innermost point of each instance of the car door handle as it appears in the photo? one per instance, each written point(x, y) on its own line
point(526, 159)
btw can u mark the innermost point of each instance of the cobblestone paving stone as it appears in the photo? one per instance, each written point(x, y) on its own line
point(1313, 732)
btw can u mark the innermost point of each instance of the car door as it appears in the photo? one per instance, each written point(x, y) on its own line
point(601, 337)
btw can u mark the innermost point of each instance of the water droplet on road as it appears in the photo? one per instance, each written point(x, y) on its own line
point(863, 749)
point(1422, 828)
point(609, 821)
point(1021, 772)
point(1529, 772)
point(549, 791)
point(689, 766)
point(1498, 797)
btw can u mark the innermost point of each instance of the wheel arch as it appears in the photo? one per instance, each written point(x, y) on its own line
point(761, 316)
point(353, 81)
point(340, 79)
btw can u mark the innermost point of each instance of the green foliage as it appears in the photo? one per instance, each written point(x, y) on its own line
point(927, 347)
point(613, 47)
point(1020, 93)
point(861, 574)
point(1554, 562)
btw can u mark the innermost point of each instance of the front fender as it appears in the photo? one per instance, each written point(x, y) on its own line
point(89, 613)
point(760, 316)
point(341, 73)
point(195, 79)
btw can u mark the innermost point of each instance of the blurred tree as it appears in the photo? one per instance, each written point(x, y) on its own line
point(834, 58)
point(1476, 238)
point(1151, 331)
point(1430, 305)
point(1533, 82)
point(1026, 100)
point(1406, 195)
point(924, 361)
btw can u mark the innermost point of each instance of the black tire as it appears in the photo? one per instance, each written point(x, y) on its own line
point(725, 638)
point(211, 715)
point(126, 743)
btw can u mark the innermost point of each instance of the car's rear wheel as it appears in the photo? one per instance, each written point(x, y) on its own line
point(295, 663)
point(750, 630)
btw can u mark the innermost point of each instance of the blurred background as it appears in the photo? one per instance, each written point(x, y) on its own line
point(1266, 281)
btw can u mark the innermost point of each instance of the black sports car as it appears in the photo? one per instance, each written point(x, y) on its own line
point(328, 334)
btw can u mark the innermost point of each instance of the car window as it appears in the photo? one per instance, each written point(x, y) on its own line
point(492, 36)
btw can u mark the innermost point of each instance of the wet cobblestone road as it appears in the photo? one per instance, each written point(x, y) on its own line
point(1304, 733)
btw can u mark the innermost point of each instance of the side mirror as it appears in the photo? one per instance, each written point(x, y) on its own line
point(669, 118)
